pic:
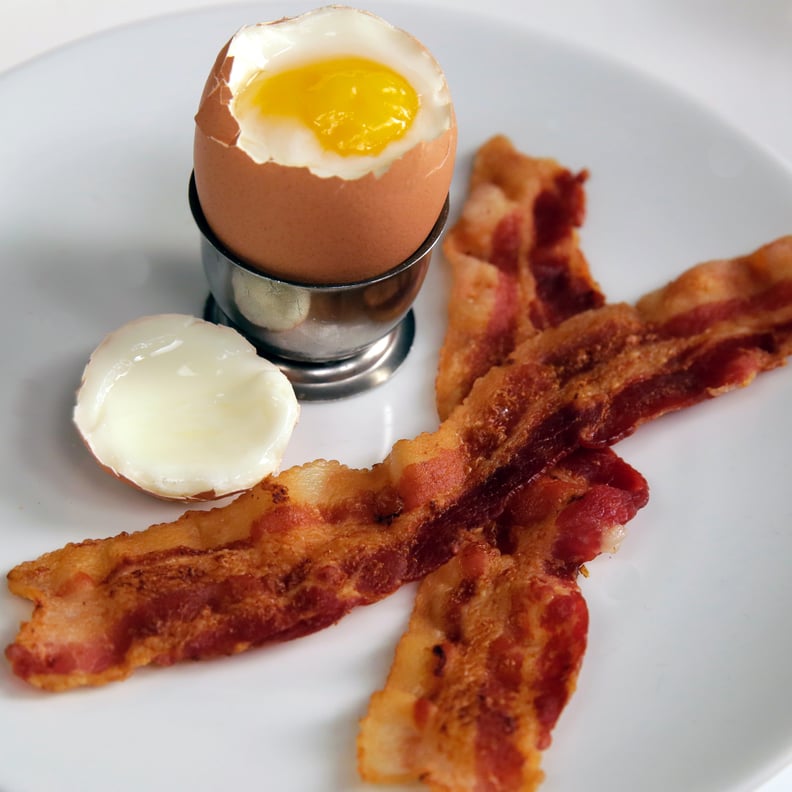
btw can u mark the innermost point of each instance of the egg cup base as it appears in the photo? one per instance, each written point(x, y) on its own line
point(337, 379)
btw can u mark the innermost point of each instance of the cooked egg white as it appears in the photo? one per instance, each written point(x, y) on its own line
point(184, 409)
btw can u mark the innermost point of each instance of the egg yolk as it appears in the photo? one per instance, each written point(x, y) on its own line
point(354, 105)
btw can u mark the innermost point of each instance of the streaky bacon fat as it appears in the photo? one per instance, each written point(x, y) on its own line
point(298, 551)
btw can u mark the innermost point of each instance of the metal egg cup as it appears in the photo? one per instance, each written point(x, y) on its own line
point(331, 340)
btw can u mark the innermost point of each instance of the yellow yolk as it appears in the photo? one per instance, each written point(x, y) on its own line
point(354, 105)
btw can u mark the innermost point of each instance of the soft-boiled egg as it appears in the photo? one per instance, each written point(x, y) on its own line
point(184, 409)
point(324, 146)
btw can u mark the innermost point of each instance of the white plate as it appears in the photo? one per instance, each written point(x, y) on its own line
point(687, 678)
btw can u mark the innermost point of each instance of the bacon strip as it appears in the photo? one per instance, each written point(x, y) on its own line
point(497, 636)
point(301, 549)
point(429, 722)
point(516, 263)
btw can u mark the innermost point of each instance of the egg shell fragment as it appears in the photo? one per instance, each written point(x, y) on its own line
point(184, 409)
point(296, 225)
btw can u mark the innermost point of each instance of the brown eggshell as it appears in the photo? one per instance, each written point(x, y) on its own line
point(292, 224)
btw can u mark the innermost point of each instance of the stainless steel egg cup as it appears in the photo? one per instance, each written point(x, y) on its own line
point(331, 340)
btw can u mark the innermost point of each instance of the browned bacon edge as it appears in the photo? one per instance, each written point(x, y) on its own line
point(497, 637)
point(516, 263)
point(300, 550)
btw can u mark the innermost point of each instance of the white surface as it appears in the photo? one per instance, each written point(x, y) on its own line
point(687, 675)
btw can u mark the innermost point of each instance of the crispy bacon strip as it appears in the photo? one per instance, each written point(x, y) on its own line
point(429, 722)
point(516, 263)
point(298, 551)
point(497, 637)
